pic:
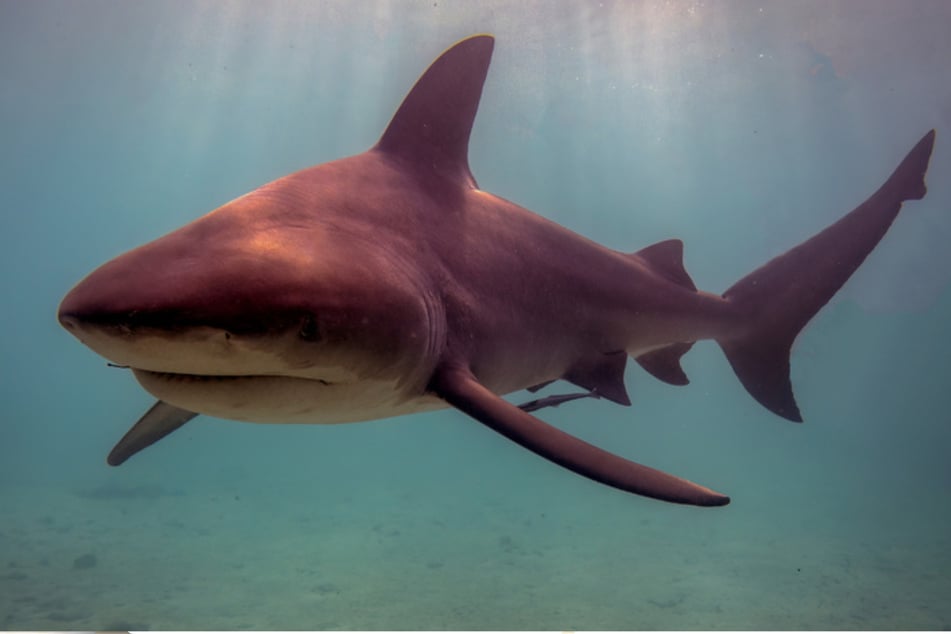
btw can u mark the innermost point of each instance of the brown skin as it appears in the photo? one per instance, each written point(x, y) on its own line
point(388, 283)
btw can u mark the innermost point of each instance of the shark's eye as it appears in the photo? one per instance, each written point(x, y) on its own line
point(308, 329)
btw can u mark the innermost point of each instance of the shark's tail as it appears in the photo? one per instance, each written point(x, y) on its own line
point(780, 297)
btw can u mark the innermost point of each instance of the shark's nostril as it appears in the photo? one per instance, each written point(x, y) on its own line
point(308, 329)
point(68, 321)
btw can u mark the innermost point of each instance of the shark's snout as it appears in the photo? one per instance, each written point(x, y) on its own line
point(80, 308)
point(80, 312)
point(153, 309)
point(68, 320)
point(105, 305)
point(177, 284)
point(234, 305)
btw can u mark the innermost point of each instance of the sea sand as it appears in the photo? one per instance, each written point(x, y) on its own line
point(144, 556)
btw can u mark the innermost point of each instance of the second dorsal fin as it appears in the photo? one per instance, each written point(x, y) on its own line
point(667, 259)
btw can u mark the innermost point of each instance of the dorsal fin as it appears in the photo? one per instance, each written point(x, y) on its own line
point(667, 258)
point(603, 374)
point(430, 131)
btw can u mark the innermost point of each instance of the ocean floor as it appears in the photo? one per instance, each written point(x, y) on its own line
point(145, 556)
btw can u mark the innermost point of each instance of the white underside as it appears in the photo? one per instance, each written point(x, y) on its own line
point(282, 399)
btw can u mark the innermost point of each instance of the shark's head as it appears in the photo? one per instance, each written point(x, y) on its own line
point(308, 299)
point(263, 295)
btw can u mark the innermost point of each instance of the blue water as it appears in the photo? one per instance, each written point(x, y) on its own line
point(740, 127)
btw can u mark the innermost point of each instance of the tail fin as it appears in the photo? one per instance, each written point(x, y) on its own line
point(780, 297)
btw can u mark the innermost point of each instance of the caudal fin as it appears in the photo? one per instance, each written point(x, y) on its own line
point(778, 299)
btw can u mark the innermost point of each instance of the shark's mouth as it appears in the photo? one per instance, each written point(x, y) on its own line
point(246, 397)
point(276, 398)
point(178, 377)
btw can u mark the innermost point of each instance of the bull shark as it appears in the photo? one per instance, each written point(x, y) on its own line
point(389, 283)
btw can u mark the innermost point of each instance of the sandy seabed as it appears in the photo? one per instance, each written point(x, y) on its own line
point(146, 557)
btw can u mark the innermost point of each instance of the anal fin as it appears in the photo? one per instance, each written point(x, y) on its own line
point(157, 423)
point(456, 385)
point(664, 363)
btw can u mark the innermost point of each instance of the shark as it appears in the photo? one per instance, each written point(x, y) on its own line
point(389, 283)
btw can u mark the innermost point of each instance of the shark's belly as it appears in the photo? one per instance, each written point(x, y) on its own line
point(281, 399)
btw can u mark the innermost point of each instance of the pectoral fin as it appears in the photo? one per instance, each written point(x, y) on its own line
point(457, 386)
point(157, 423)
